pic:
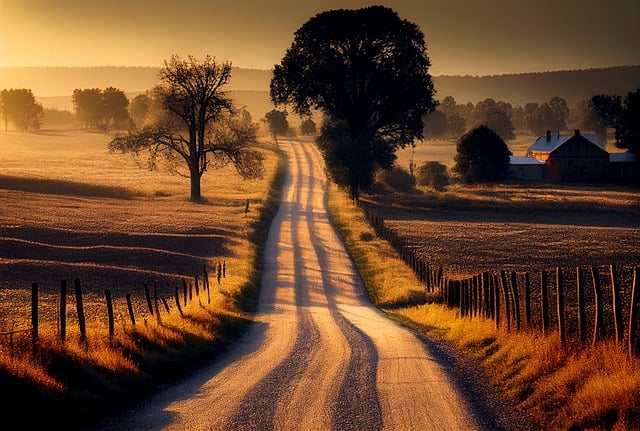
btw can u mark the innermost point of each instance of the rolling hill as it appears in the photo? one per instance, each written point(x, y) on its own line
point(53, 86)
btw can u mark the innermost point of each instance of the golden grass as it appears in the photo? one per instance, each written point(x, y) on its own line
point(560, 388)
point(72, 208)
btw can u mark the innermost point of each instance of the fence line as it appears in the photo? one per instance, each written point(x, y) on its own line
point(497, 295)
point(201, 286)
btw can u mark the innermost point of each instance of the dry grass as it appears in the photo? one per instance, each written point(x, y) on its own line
point(73, 210)
point(559, 388)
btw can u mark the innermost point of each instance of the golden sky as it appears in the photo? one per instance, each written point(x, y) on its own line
point(464, 37)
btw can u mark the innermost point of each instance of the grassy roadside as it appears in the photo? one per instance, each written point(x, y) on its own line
point(76, 381)
point(596, 388)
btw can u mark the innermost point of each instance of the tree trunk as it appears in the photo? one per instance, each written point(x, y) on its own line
point(196, 195)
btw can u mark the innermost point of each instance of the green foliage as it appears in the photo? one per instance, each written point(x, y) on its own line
point(482, 156)
point(19, 106)
point(367, 71)
point(432, 173)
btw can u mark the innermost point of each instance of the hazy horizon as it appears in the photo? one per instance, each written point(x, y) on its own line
point(464, 38)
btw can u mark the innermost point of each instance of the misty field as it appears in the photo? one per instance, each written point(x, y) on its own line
point(71, 209)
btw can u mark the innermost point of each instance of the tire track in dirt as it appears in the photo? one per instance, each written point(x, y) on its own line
point(319, 356)
point(258, 409)
point(357, 405)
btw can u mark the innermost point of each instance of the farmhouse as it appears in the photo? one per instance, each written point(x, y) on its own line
point(577, 157)
point(574, 157)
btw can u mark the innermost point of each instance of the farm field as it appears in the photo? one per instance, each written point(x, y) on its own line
point(524, 226)
point(71, 209)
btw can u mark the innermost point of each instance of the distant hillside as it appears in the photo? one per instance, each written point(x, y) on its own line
point(53, 86)
point(518, 89)
point(61, 81)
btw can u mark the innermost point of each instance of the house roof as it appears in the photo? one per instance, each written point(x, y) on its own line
point(627, 157)
point(515, 160)
point(555, 140)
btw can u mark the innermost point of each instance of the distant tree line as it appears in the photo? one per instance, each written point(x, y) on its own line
point(101, 109)
point(451, 120)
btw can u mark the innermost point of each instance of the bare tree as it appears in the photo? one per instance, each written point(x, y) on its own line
point(200, 127)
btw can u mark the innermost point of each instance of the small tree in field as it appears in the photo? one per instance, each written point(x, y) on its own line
point(307, 127)
point(278, 123)
point(482, 156)
point(19, 106)
point(200, 127)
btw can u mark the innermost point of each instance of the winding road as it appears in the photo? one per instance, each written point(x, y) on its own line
point(319, 356)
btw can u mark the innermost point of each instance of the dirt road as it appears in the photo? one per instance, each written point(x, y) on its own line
point(319, 356)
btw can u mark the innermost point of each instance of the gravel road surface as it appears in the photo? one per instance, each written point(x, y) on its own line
point(319, 356)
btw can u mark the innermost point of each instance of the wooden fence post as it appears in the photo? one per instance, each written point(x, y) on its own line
point(34, 313)
point(516, 300)
point(130, 307)
point(617, 310)
point(544, 302)
point(80, 308)
point(597, 319)
point(633, 318)
point(107, 295)
point(496, 300)
point(63, 310)
point(206, 282)
point(582, 332)
point(464, 297)
point(505, 290)
point(560, 304)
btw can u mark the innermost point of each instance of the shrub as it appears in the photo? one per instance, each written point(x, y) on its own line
point(396, 179)
point(432, 174)
point(482, 156)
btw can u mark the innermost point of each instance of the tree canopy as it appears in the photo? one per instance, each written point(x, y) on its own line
point(623, 115)
point(366, 70)
point(19, 106)
point(101, 109)
point(199, 128)
point(277, 122)
point(482, 156)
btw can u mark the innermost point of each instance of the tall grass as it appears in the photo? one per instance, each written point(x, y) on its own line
point(558, 388)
